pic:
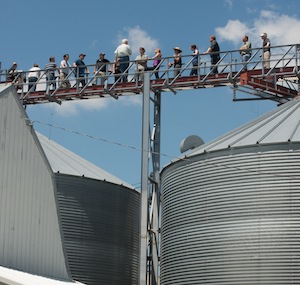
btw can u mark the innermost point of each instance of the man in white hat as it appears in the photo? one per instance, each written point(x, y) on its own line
point(266, 50)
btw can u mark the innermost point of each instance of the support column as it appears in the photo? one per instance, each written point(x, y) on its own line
point(144, 182)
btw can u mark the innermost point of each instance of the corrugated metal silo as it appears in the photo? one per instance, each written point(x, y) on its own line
point(231, 207)
point(99, 217)
point(61, 217)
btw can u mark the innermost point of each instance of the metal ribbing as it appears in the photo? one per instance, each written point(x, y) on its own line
point(232, 220)
point(100, 223)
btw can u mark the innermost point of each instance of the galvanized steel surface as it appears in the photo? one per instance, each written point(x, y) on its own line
point(64, 161)
point(280, 125)
point(100, 222)
point(30, 238)
point(232, 219)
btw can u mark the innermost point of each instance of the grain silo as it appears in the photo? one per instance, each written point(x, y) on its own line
point(231, 207)
point(61, 216)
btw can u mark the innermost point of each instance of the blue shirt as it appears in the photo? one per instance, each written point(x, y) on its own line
point(81, 68)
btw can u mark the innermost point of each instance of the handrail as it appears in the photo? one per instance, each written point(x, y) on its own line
point(230, 62)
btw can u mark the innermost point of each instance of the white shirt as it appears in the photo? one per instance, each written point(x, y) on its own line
point(65, 66)
point(34, 72)
point(142, 61)
point(123, 50)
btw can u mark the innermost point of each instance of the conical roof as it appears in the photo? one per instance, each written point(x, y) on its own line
point(64, 161)
point(281, 125)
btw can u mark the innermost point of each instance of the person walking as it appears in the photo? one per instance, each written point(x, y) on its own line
point(50, 69)
point(195, 60)
point(122, 55)
point(141, 61)
point(33, 76)
point(177, 63)
point(245, 51)
point(214, 51)
point(266, 50)
point(100, 69)
point(64, 71)
point(81, 70)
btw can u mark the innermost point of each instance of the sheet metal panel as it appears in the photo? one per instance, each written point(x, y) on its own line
point(30, 238)
point(64, 161)
point(100, 222)
point(232, 219)
point(280, 125)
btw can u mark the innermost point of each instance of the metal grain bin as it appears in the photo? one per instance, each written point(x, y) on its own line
point(231, 207)
point(99, 217)
point(100, 223)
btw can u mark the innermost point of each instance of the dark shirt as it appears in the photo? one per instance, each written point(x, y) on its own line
point(102, 64)
point(81, 68)
point(214, 48)
point(265, 42)
point(11, 75)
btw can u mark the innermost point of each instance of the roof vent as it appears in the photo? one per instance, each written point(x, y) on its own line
point(190, 142)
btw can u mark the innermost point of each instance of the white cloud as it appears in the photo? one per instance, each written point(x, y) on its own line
point(139, 38)
point(233, 31)
point(281, 29)
point(69, 108)
point(132, 100)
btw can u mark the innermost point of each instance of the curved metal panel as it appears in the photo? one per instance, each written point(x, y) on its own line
point(233, 219)
point(100, 223)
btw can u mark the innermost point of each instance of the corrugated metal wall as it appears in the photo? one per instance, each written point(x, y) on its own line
point(30, 237)
point(100, 222)
point(232, 219)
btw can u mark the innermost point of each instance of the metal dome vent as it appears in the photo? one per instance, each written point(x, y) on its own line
point(190, 142)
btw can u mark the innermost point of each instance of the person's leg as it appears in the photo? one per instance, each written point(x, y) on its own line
point(267, 56)
point(214, 66)
point(245, 58)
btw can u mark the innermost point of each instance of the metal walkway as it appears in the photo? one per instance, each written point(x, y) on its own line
point(278, 83)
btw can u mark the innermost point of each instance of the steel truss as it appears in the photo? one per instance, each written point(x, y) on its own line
point(279, 83)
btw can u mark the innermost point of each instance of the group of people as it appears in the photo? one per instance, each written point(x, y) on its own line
point(121, 64)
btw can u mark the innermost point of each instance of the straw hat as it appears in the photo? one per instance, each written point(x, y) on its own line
point(177, 48)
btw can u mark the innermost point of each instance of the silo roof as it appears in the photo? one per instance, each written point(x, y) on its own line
point(281, 125)
point(64, 161)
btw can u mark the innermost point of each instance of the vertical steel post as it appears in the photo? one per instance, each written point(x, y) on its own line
point(144, 181)
point(155, 206)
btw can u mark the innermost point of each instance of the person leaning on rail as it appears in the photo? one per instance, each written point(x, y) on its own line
point(266, 50)
point(245, 51)
point(214, 51)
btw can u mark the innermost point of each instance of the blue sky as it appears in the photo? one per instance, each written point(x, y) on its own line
point(34, 30)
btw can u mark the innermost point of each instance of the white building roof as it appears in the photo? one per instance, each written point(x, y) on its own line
point(64, 161)
point(14, 277)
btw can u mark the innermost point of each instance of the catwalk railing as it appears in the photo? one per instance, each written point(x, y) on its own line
point(279, 82)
